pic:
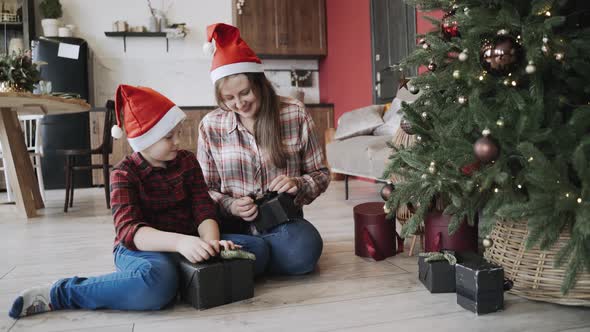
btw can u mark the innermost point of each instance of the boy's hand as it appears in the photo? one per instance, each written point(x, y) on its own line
point(228, 245)
point(194, 249)
point(283, 183)
point(244, 208)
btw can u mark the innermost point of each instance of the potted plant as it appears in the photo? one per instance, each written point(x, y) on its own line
point(51, 11)
point(18, 73)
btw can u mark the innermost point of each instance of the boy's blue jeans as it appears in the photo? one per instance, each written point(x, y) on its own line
point(147, 280)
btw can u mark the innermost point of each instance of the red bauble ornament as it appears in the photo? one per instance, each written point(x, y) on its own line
point(486, 150)
point(450, 26)
point(386, 191)
point(470, 168)
point(501, 56)
point(406, 126)
point(432, 66)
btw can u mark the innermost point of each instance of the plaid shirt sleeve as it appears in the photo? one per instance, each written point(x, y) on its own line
point(316, 176)
point(203, 207)
point(126, 210)
point(210, 172)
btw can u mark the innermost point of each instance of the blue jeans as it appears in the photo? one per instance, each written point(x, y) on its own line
point(147, 280)
point(291, 248)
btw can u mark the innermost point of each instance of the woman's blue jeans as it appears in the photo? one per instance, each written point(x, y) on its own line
point(147, 280)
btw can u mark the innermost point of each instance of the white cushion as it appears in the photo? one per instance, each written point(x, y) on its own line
point(358, 122)
point(392, 119)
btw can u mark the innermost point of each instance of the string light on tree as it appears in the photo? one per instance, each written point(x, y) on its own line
point(456, 74)
point(500, 122)
point(424, 115)
point(579, 200)
point(559, 56)
point(462, 100)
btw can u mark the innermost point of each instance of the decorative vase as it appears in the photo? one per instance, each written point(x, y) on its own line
point(10, 87)
point(50, 27)
point(533, 271)
point(152, 25)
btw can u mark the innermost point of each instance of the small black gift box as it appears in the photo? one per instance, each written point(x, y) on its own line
point(216, 282)
point(437, 276)
point(480, 286)
point(275, 209)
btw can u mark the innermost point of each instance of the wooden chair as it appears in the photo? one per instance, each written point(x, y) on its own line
point(31, 127)
point(105, 149)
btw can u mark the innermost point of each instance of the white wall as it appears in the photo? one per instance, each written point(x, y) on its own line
point(183, 73)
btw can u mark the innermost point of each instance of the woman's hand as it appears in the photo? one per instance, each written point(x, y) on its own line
point(283, 183)
point(244, 208)
point(228, 245)
point(195, 249)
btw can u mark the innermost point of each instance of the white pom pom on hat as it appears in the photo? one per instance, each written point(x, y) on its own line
point(116, 132)
point(209, 47)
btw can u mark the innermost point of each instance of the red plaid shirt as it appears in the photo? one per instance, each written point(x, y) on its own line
point(235, 167)
point(171, 199)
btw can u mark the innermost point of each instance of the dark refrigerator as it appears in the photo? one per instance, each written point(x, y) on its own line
point(69, 131)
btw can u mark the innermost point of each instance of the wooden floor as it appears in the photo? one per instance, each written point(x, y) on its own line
point(346, 293)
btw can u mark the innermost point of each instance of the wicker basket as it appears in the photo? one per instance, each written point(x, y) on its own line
point(400, 138)
point(532, 270)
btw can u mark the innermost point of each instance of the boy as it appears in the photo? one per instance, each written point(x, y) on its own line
point(160, 205)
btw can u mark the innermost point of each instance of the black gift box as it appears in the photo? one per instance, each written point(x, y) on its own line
point(480, 286)
point(216, 282)
point(439, 276)
point(275, 209)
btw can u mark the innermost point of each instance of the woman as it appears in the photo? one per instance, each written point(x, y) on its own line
point(257, 142)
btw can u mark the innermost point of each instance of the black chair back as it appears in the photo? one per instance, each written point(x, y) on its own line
point(109, 121)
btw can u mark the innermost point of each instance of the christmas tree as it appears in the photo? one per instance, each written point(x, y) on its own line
point(503, 122)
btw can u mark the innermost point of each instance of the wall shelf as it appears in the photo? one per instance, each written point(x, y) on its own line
point(137, 34)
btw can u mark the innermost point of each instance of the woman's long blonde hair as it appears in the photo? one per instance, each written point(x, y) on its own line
point(267, 128)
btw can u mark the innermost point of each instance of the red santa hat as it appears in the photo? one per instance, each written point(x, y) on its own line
point(147, 115)
point(231, 54)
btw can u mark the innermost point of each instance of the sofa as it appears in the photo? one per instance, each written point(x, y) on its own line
point(358, 145)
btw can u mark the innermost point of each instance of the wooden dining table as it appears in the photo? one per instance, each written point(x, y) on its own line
point(16, 157)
